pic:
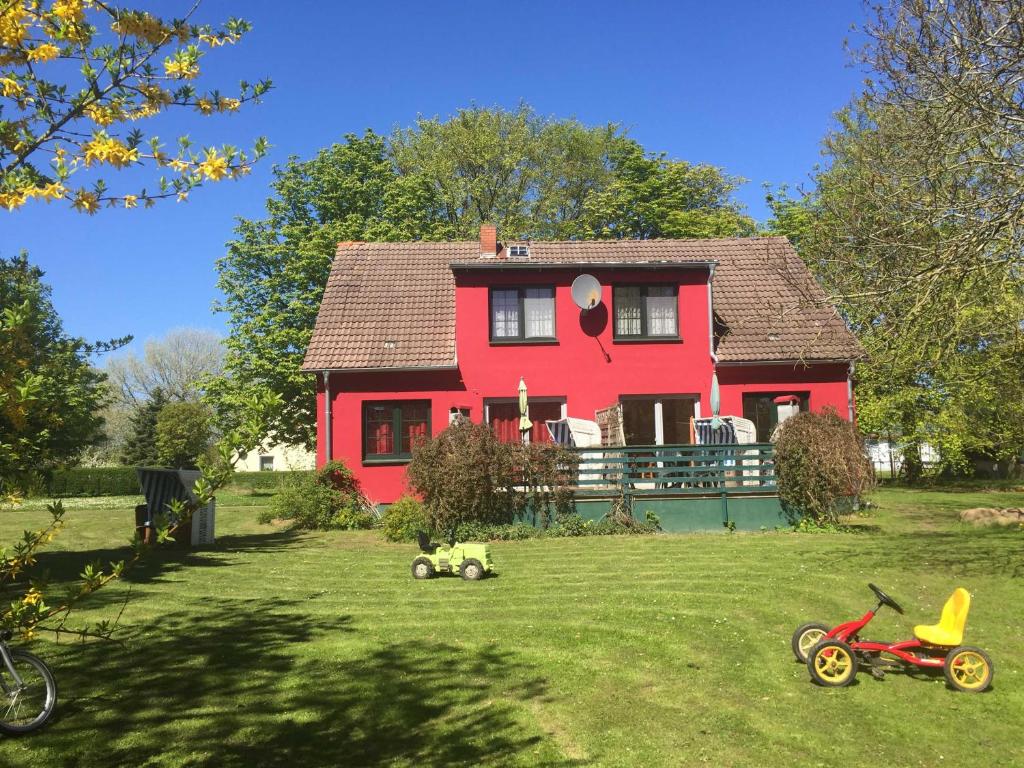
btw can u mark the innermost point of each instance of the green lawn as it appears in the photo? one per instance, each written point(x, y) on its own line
point(282, 648)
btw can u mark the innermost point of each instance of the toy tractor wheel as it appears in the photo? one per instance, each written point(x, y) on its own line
point(471, 569)
point(832, 663)
point(806, 637)
point(422, 568)
point(968, 669)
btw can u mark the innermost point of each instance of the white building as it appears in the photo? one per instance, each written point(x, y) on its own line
point(273, 458)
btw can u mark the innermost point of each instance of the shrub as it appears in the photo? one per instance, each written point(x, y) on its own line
point(326, 499)
point(403, 519)
point(819, 460)
point(466, 475)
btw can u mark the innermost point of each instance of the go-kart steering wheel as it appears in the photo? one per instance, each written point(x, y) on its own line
point(884, 598)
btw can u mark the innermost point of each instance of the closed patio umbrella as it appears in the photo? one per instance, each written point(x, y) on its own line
point(525, 425)
point(716, 402)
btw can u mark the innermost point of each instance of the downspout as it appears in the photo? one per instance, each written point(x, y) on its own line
point(711, 316)
point(328, 452)
point(849, 390)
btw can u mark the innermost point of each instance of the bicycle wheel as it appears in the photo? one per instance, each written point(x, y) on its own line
point(28, 706)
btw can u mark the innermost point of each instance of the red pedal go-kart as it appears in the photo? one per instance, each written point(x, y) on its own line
point(833, 654)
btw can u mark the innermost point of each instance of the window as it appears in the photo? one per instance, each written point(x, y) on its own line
point(458, 413)
point(391, 429)
point(504, 419)
point(761, 409)
point(522, 314)
point(266, 463)
point(519, 252)
point(646, 312)
point(657, 420)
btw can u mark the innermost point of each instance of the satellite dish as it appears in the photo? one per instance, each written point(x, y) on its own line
point(586, 292)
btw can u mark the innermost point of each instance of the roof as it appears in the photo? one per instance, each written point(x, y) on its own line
point(765, 298)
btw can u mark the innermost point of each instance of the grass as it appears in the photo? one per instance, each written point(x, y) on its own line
point(278, 648)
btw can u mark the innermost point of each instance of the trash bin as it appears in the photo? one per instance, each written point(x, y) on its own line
point(161, 487)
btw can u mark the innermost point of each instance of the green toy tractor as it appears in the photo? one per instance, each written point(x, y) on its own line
point(471, 560)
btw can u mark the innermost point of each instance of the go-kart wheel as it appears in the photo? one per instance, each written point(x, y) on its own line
point(806, 637)
point(471, 569)
point(422, 568)
point(968, 669)
point(832, 663)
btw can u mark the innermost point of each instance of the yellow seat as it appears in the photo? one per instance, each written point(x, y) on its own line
point(950, 629)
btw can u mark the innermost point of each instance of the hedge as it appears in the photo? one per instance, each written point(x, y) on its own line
point(93, 481)
point(265, 481)
point(122, 481)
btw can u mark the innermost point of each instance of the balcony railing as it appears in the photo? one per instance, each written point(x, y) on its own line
point(677, 469)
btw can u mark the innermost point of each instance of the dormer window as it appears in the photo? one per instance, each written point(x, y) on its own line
point(522, 314)
point(519, 251)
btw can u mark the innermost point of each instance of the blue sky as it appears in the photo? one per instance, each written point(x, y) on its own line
point(747, 85)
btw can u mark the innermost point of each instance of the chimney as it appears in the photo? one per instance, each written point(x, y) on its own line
point(488, 241)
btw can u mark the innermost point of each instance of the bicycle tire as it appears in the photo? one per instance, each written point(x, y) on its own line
point(11, 721)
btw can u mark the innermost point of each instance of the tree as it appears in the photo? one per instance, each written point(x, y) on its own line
point(916, 226)
point(178, 365)
point(182, 434)
point(650, 196)
point(76, 79)
point(439, 179)
point(71, 74)
point(140, 447)
point(49, 393)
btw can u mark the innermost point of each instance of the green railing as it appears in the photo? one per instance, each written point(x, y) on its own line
point(682, 469)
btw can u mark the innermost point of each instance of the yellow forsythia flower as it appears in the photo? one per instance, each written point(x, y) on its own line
point(205, 106)
point(70, 10)
point(106, 149)
point(44, 52)
point(11, 87)
point(13, 27)
point(86, 202)
point(214, 167)
point(181, 69)
point(32, 597)
point(10, 201)
point(130, 201)
point(228, 105)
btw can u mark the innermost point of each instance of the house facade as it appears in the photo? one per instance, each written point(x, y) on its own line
point(411, 335)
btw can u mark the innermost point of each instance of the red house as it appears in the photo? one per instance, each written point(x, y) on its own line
point(409, 334)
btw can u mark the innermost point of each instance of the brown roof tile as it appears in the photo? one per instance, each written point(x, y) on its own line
point(392, 305)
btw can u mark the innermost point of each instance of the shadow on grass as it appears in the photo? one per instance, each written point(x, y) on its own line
point(65, 565)
point(262, 683)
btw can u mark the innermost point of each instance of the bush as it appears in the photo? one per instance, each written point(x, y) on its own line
point(820, 459)
point(323, 500)
point(466, 475)
point(90, 481)
point(403, 519)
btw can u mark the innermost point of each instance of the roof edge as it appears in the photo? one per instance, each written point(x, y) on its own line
point(396, 369)
point(499, 264)
point(791, 361)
